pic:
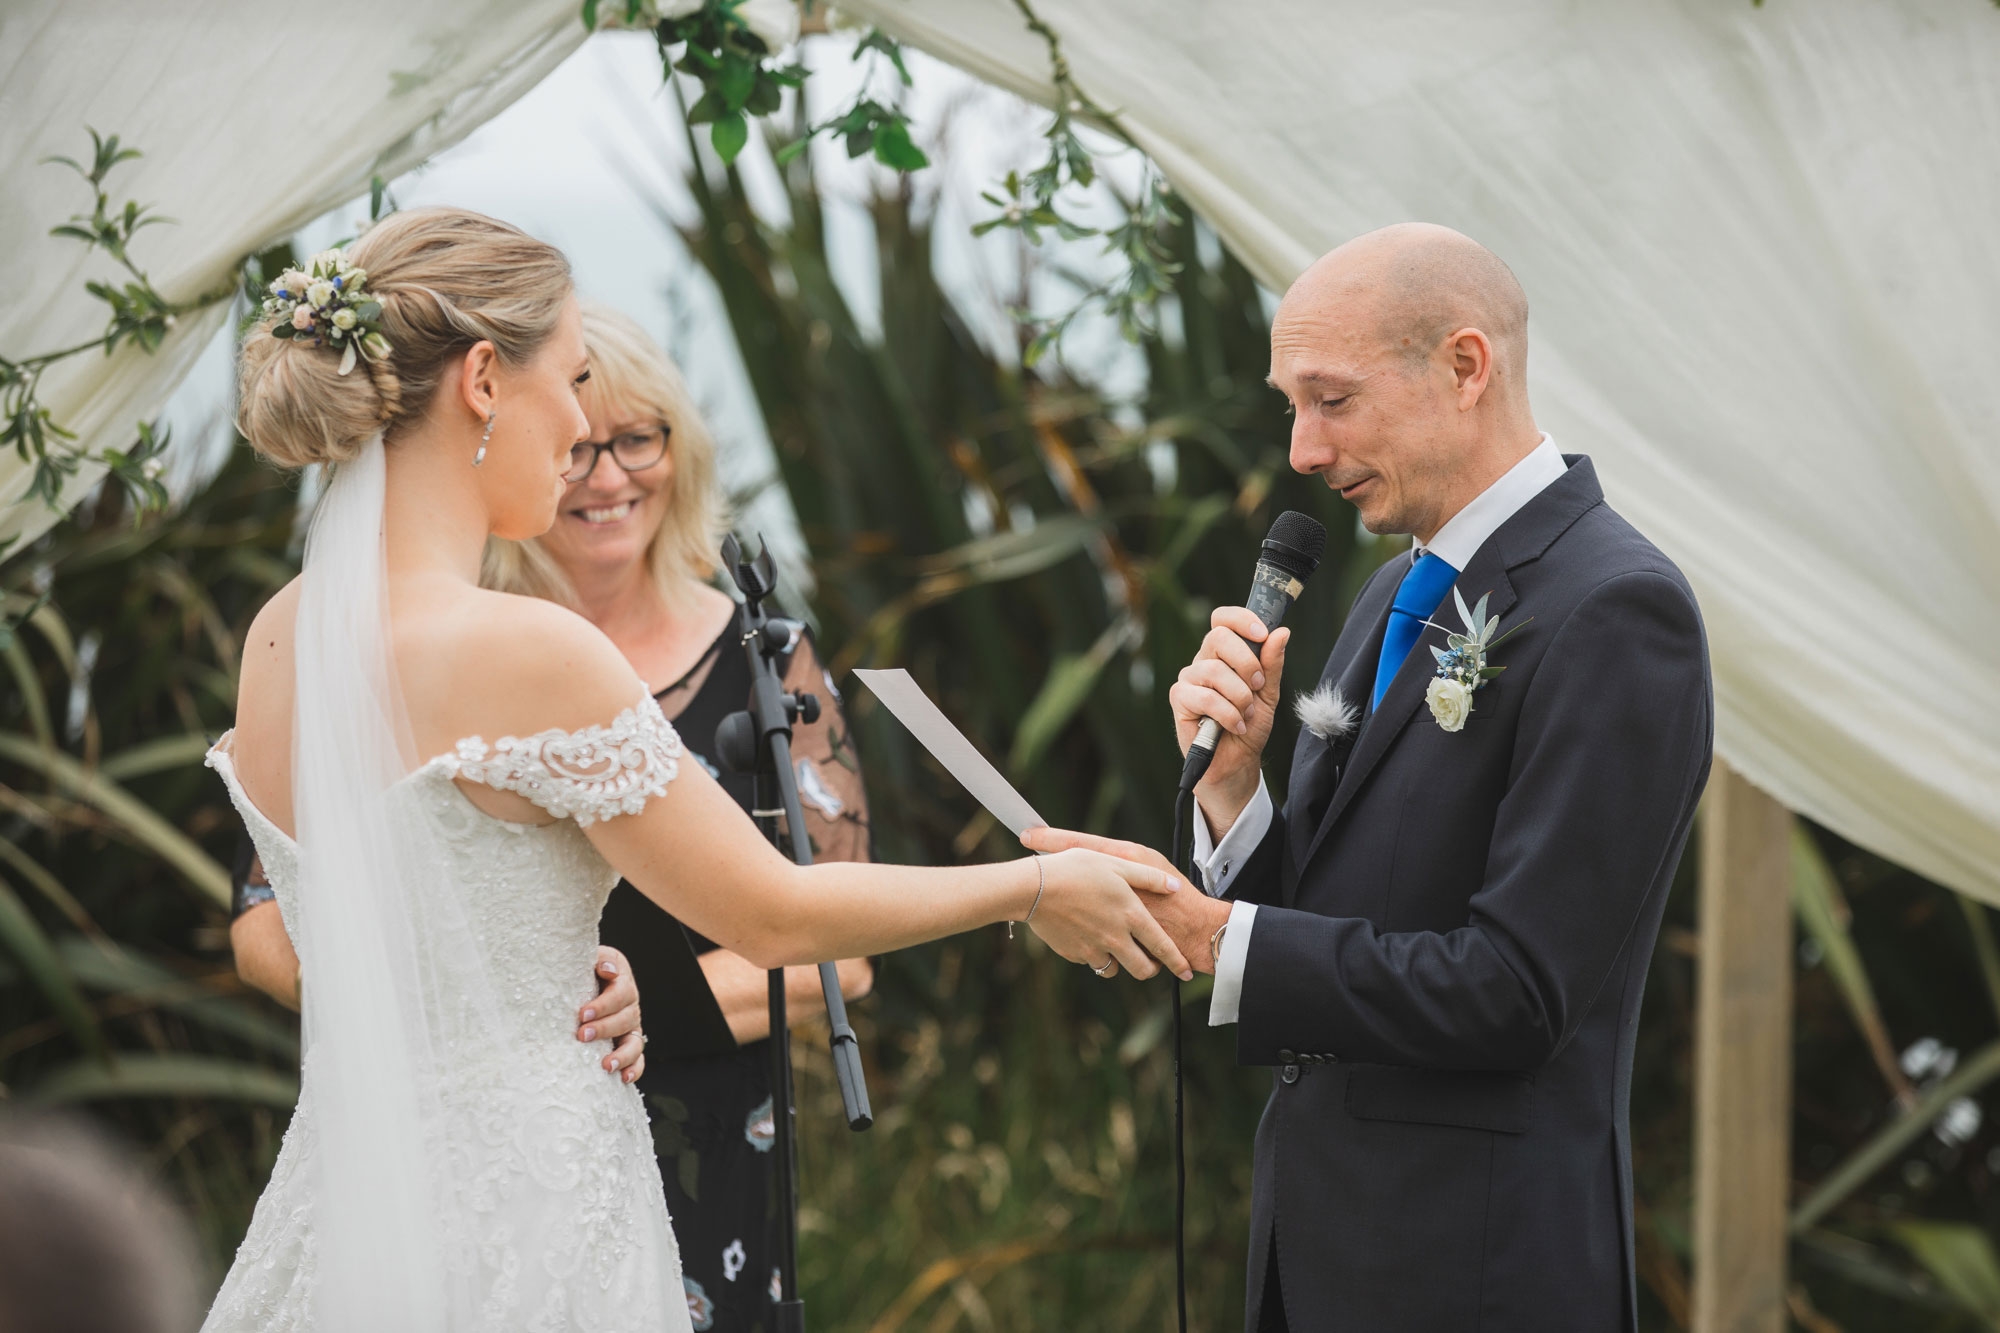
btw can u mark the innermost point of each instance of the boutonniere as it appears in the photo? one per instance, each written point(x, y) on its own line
point(1462, 667)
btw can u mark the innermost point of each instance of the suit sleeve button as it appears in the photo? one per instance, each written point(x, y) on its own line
point(1289, 1074)
point(1285, 1057)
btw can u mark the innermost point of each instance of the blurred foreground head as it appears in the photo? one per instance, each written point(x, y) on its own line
point(1404, 354)
point(86, 1244)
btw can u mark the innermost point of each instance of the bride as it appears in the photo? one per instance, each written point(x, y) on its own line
point(444, 784)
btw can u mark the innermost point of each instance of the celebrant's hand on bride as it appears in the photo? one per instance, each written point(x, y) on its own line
point(266, 960)
point(613, 1015)
point(1190, 918)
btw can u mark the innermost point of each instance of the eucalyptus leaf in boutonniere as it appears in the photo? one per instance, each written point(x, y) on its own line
point(1462, 668)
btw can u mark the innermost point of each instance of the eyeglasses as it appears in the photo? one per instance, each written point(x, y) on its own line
point(635, 451)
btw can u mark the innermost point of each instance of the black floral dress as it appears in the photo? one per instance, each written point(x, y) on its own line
point(710, 1099)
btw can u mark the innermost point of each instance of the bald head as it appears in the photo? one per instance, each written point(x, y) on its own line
point(1416, 283)
point(1404, 355)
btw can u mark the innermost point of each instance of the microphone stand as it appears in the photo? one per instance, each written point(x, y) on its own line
point(759, 740)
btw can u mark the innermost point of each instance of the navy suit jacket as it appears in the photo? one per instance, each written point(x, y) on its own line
point(1447, 962)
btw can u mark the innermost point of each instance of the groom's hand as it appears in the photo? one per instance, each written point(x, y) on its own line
point(613, 1015)
point(1190, 917)
point(1235, 679)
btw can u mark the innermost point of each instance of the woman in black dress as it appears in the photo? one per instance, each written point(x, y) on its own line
point(632, 549)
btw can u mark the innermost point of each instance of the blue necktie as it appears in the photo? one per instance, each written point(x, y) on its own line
point(1417, 598)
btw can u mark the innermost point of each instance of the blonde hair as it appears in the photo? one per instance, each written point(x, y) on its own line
point(630, 373)
point(447, 278)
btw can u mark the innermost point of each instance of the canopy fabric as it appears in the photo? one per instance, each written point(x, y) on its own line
point(1759, 247)
point(253, 120)
point(1758, 242)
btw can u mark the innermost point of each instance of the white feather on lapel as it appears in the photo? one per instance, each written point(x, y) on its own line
point(1326, 713)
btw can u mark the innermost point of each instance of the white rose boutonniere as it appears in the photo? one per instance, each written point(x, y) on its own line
point(1450, 701)
point(1462, 667)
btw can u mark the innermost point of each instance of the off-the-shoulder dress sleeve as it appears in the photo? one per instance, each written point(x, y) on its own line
point(588, 775)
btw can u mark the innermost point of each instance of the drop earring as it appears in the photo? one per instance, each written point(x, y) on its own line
point(480, 457)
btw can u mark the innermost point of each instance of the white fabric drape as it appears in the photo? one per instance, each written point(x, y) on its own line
point(253, 119)
point(1761, 253)
point(1758, 241)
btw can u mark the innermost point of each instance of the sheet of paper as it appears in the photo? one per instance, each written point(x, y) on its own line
point(914, 709)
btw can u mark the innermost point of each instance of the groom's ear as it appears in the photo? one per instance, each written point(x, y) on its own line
point(1471, 353)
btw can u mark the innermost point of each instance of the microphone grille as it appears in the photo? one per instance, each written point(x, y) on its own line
point(1296, 542)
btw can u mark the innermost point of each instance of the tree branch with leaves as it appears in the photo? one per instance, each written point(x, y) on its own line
point(139, 315)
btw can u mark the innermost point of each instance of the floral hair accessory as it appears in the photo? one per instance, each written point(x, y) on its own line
point(327, 303)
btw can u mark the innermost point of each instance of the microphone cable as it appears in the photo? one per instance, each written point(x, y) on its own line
point(1288, 557)
point(1182, 853)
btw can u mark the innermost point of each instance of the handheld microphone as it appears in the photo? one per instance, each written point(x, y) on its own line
point(1291, 552)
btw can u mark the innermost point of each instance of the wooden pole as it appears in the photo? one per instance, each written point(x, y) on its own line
point(1743, 1060)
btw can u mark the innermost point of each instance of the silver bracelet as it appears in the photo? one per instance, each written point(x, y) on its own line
point(1215, 945)
point(1041, 882)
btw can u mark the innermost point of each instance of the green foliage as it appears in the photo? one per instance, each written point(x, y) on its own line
point(139, 315)
point(117, 995)
point(1963, 1261)
point(1823, 913)
point(1029, 204)
point(868, 125)
point(723, 53)
point(738, 84)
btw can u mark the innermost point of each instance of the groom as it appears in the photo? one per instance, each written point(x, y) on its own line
point(1441, 941)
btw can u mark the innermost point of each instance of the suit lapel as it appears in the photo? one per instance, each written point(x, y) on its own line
point(1316, 764)
point(1486, 573)
point(1522, 538)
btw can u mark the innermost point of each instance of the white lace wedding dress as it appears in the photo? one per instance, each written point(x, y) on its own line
point(552, 1213)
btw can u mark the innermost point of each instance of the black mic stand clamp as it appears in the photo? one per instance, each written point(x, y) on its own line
point(758, 740)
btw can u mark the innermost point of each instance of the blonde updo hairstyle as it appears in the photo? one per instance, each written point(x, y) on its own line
point(446, 278)
point(630, 374)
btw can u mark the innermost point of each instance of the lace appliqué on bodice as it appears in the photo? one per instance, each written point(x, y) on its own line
point(587, 775)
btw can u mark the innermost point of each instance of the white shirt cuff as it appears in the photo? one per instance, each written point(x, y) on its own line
point(1228, 994)
point(1219, 862)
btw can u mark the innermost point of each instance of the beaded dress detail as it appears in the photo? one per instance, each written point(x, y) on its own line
point(552, 1215)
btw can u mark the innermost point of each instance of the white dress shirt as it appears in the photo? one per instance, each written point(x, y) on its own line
point(1455, 544)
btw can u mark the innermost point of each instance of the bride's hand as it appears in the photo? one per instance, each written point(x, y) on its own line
point(1091, 914)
